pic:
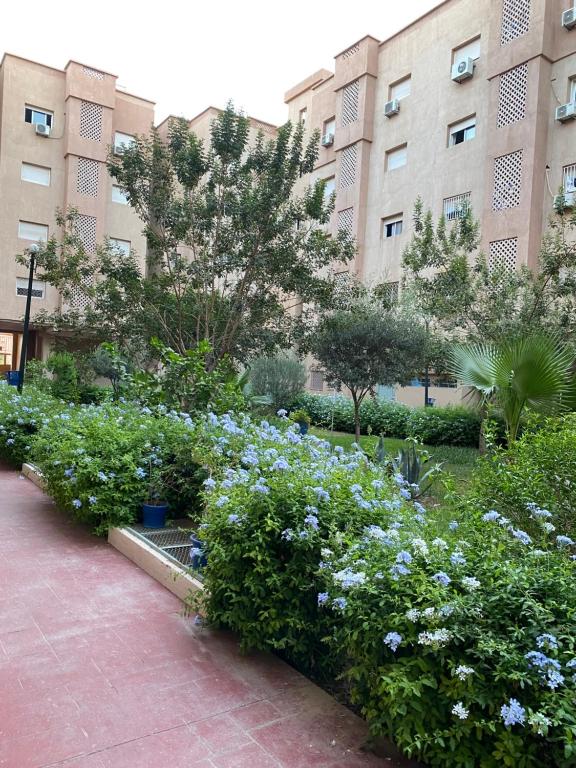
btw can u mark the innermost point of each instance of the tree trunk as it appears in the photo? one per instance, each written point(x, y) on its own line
point(357, 420)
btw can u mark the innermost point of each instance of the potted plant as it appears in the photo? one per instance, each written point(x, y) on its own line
point(154, 509)
point(302, 418)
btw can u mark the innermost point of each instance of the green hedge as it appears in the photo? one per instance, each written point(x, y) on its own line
point(453, 425)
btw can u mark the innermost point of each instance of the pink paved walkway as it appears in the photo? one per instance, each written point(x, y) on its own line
point(98, 669)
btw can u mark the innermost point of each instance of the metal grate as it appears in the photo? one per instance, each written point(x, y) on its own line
point(91, 121)
point(352, 51)
point(350, 96)
point(515, 20)
point(455, 207)
point(512, 96)
point(502, 255)
point(348, 161)
point(346, 220)
point(93, 74)
point(316, 381)
point(507, 181)
point(173, 542)
point(87, 177)
point(390, 292)
point(569, 178)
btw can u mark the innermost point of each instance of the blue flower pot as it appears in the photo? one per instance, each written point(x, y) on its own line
point(154, 515)
point(303, 427)
point(198, 558)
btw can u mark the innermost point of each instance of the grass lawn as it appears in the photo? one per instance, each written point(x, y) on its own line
point(457, 461)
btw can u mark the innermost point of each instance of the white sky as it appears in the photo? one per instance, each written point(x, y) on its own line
point(187, 55)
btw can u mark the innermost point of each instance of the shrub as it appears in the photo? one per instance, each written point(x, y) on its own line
point(21, 416)
point(281, 379)
point(272, 508)
point(540, 467)
point(453, 425)
point(96, 459)
point(64, 385)
point(466, 657)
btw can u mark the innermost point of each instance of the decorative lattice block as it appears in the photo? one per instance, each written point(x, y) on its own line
point(512, 96)
point(91, 121)
point(502, 255)
point(507, 181)
point(93, 74)
point(87, 177)
point(515, 20)
point(350, 96)
point(348, 163)
point(346, 220)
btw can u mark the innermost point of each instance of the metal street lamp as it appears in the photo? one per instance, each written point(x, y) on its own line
point(33, 250)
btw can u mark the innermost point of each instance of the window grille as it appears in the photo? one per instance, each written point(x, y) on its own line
point(91, 121)
point(502, 255)
point(87, 177)
point(352, 51)
point(93, 74)
point(316, 381)
point(38, 288)
point(346, 220)
point(348, 162)
point(455, 207)
point(512, 96)
point(507, 181)
point(569, 178)
point(515, 20)
point(350, 96)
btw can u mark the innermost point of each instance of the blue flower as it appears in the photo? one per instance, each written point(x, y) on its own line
point(457, 558)
point(140, 473)
point(321, 494)
point(442, 578)
point(513, 713)
point(453, 524)
point(405, 493)
point(259, 487)
point(340, 602)
point(92, 500)
point(492, 516)
point(355, 488)
point(399, 569)
point(393, 640)
point(76, 503)
point(287, 534)
point(222, 500)
point(233, 518)
point(564, 541)
point(102, 476)
point(280, 464)
point(69, 472)
point(281, 412)
point(323, 598)
point(311, 520)
point(547, 641)
point(522, 536)
point(403, 557)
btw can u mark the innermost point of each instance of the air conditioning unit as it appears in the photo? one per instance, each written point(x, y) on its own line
point(391, 108)
point(567, 200)
point(569, 18)
point(327, 139)
point(566, 112)
point(462, 70)
point(42, 130)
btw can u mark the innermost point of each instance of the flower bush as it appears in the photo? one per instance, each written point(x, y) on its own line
point(434, 426)
point(272, 508)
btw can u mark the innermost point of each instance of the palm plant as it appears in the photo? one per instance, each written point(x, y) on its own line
point(534, 372)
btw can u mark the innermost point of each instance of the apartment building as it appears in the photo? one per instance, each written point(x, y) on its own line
point(473, 104)
point(56, 128)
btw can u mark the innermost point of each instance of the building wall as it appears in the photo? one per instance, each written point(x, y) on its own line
point(87, 110)
point(511, 169)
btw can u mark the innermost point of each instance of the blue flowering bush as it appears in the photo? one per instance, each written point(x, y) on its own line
point(98, 460)
point(275, 504)
point(453, 425)
point(21, 416)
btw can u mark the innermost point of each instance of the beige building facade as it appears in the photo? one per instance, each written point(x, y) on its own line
point(472, 104)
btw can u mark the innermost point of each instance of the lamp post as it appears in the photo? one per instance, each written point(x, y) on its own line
point(33, 250)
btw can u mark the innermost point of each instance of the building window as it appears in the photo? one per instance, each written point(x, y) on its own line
point(303, 115)
point(329, 130)
point(118, 195)
point(122, 141)
point(469, 50)
point(391, 227)
point(38, 116)
point(316, 381)
point(396, 158)
point(569, 178)
point(35, 174)
point(455, 207)
point(572, 89)
point(400, 89)
point(28, 230)
point(38, 288)
point(329, 188)
point(463, 131)
point(122, 246)
point(389, 293)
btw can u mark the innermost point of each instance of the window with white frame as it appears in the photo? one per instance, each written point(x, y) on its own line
point(465, 130)
point(329, 187)
point(470, 50)
point(391, 227)
point(119, 195)
point(455, 207)
point(35, 174)
point(400, 89)
point(29, 230)
point(573, 89)
point(396, 158)
point(38, 288)
point(122, 141)
point(123, 246)
point(303, 115)
point(37, 116)
point(569, 178)
point(316, 381)
point(329, 129)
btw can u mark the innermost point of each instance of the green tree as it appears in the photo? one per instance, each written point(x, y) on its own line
point(281, 378)
point(364, 345)
point(229, 244)
point(534, 372)
point(450, 282)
